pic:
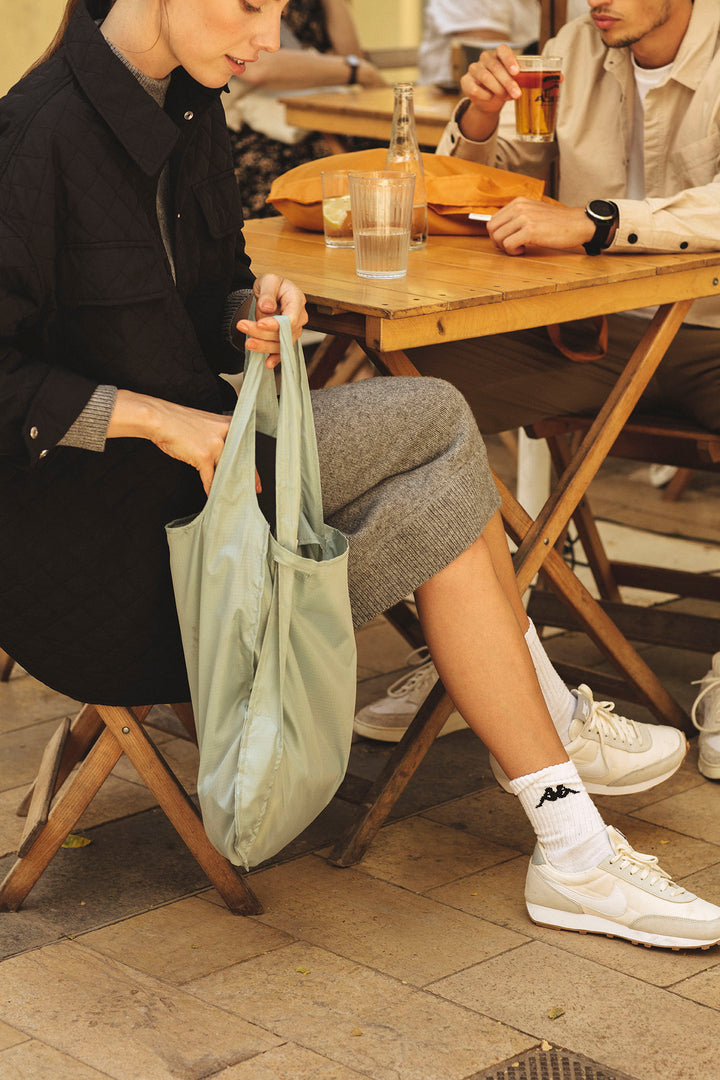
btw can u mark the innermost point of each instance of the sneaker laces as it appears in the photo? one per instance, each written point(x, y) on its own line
point(420, 660)
point(705, 723)
point(607, 723)
point(647, 867)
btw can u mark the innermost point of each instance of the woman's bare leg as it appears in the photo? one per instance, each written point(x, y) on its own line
point(494, 533)
point(474, 634)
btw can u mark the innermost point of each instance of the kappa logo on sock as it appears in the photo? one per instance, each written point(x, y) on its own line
point(553, 794)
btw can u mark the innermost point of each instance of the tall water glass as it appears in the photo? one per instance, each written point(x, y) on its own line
point(382, 206)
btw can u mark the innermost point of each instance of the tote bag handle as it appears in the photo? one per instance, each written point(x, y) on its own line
point(297, 471)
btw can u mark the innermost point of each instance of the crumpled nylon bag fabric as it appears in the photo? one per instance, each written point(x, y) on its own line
point(266, 627)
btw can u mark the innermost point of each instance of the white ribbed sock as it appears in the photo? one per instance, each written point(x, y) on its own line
point(564, 817)
point(559, 700)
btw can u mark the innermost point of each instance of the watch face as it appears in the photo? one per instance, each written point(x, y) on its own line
point(599, 208)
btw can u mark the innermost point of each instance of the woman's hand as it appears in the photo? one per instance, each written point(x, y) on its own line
point(274, 295)
point(190, 435)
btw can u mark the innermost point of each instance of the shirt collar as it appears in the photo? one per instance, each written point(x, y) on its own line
point(147, 132)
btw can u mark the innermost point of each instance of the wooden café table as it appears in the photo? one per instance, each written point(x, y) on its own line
point(463, 287)
point(367, 112)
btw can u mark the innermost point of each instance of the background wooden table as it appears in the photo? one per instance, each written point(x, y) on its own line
point(368, 112)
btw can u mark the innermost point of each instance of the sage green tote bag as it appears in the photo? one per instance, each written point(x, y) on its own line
point(266, 627)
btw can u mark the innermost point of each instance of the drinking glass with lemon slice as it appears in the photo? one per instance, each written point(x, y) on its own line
point(337, 217)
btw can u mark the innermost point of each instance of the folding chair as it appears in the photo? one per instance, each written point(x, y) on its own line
point(95, 741)
point(660, 440)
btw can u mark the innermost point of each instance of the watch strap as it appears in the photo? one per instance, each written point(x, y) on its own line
point(603, 226)
point(354, 63)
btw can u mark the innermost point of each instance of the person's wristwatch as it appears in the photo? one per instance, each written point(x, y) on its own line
point(603, 215)
point(354, 63)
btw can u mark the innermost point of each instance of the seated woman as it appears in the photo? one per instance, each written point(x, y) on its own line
point(122, 275)
point(319, 46)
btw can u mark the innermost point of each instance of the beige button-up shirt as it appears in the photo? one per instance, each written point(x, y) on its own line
point(681, 210)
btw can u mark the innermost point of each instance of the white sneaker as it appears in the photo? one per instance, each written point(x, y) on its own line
point(614, 755)
point(389, 718)
point(627, 895)
point(708, 723)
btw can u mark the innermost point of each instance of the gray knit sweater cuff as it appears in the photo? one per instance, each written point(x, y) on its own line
point(229, 330)
point(89, 430)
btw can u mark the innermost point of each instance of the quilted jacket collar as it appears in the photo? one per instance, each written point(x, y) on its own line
point(147, 132)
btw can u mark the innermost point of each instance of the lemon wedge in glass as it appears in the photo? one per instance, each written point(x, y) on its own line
point(335, 212)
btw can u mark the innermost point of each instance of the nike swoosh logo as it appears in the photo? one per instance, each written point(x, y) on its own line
point(592, 770)
point(614, 905)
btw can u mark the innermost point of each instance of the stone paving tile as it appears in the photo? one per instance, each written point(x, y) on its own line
point(131, 866)
point(497, 894)
point(692, 813)
point(419, 854)
point(289, 1062)
point(21, 751)
point(180, 754)
point(36, 1061)
point(184, 940)
point(359, 1017)
point(11, 826)
point(616, 1020)
point(492, 814)
point(25, 702)
point(703, 987)
point(10, 1036)
point(120, 1021)
point(373, 922)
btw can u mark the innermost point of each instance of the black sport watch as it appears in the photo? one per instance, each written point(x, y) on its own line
point(603, 215)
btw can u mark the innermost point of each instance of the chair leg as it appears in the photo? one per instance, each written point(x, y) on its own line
point(328, 355)
point(178, 807)
point(676, 487)
point(587, 528)
point(69, 806)
point(6, 665)
point(184, 712)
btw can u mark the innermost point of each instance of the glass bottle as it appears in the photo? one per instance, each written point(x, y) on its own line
point(404, 156)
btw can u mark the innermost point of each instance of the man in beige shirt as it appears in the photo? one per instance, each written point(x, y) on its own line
point(638, 128)
point(637, 150)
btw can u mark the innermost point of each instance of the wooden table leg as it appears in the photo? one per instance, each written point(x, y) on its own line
point(398, 771)
point(622, 399)
point(594, 621)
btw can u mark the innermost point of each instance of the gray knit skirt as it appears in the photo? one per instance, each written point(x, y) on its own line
point(405, 476)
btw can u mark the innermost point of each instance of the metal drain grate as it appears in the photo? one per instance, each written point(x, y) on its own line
point(555, 1064)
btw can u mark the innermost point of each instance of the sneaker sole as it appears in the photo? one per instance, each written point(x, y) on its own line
point(593, 924)
point(381, 733)
point(712, 772)
point(593, 788)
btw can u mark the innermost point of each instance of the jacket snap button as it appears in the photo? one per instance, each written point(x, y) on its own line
point(34, 433)
point(43, 453)
point(189, 114)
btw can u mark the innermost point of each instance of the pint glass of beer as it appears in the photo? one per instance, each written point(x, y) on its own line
point(539, 80)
